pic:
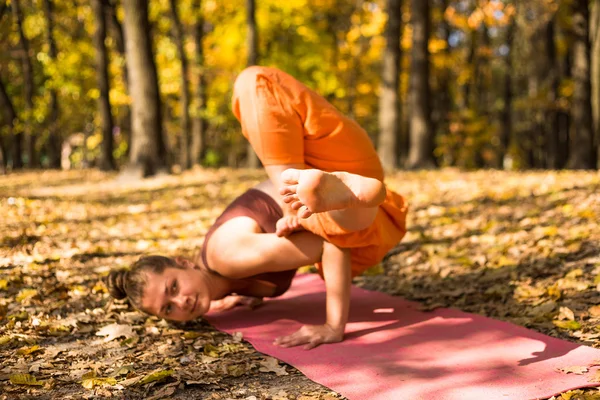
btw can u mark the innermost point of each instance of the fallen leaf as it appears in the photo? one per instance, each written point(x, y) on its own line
point(577, 370)
point(569, 325)
point(566, 313)
point(26, 294)
point(25, 351)
point(90, 381)
point(25, 379)
point(165, 391)
point(271, 364)
point(211, 351)
point(5, 340)
point(114, 331)
point(156, 376)
point(594, 311)
point(595, 377)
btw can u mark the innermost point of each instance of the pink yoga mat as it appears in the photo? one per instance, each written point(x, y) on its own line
point(394, 351)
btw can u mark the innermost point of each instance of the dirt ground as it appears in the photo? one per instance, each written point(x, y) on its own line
point(520, 247)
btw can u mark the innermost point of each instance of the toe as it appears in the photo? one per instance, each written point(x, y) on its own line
point(289, 189)
point(291, 176)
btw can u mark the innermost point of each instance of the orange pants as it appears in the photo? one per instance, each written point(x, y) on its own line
point(288, 123)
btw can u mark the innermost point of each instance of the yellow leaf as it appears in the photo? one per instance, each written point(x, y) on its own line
point(550, 231)
point(25, 379)
point(25, 351)
point(5, 339)
point(26, 294)
point(191, 335)
point(89, 382)
point(211, 350)
point(576, 273)
point(569, 325)
point(3, 284)
point(156, 376)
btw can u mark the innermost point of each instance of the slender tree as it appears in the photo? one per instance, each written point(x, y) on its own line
point(10, 118)
point(595, 38)
point(421, 132)
point(552, 116)
point(507, 115)
point(54, 142)
point(28, 85)
point(107, 161)
point(444, 103)
point(252, 44)
point(199, 123)
point(178, 34)
point(116, 32)
point(148, 154)
point(389, 100)
point(582, 154)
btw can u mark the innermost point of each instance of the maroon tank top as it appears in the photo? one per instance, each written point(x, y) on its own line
point(266, 212)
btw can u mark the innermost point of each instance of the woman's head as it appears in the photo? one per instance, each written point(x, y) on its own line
point(174, 289)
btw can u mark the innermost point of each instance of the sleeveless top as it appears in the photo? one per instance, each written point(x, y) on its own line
point(266, 212)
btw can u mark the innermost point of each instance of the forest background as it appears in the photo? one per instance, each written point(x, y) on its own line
point(147, 85)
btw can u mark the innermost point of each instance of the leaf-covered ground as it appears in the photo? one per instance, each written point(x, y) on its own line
point(521, 247)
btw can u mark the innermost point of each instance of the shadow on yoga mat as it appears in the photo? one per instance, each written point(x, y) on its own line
point(394, 351)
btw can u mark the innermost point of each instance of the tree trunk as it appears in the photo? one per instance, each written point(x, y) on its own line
point(30, 137)
point(199, 123)
point(552, 119)
point(10, 118)
point(582, 150)
point(564, 116)
point(54, 142)
point(185, 88)
point(595, 38)
point(507, 116)
point(389, 100)
point(252, 43)
point(107, 161)
point(116, 31)
point(148, 155)
point(421, 132)
point(445, 101)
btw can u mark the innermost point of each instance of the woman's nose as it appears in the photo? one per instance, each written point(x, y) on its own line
point(183, 302)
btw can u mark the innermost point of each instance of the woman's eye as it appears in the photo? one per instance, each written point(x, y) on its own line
point(168, 310)
point(174, 286)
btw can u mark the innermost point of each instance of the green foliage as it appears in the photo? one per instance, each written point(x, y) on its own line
point(334, 46)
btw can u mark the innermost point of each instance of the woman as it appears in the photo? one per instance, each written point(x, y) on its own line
point(349, 220)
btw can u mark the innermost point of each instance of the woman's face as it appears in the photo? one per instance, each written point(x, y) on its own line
point(176, 294)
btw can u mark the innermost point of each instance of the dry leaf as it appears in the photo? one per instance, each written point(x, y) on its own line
point(577, 370)
point(566, 313)
point(595, 377)
point(115, 331)
point(25, 379)
point(156, 376)
point(271, 364)
point(594, 311)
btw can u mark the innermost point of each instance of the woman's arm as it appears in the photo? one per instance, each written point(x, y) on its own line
point(338, 279)
point(238, 250)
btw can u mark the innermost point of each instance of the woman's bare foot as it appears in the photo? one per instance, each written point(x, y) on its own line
point(314, 191)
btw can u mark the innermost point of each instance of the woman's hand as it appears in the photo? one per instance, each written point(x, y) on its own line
point(311, 336)
point(229, 302)
point(287, 225)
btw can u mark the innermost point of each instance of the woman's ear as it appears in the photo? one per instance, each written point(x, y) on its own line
point(184, 262)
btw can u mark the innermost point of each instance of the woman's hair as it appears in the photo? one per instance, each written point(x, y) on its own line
point(130, 283)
